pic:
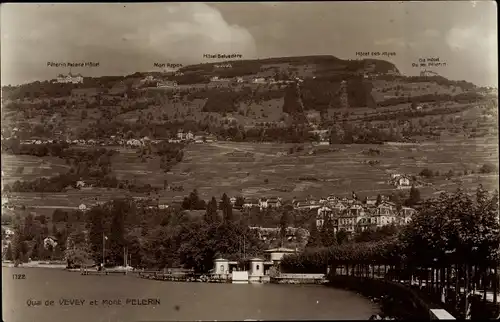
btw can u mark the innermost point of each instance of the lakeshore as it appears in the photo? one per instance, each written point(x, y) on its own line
point(177, 301)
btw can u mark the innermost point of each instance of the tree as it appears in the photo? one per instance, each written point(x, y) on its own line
point(335, 136)
point(456, 224)
point(227, 209)
point(240, 201)
point(314, 237)
point(186, 203)
point(54, 230)
point(195, 203)
point(284, 222)
point(398, 198)
point(18, 247)
point(379, 199)
point(414, 197)
point(37, 252)
point(8, 254)
point(118, 210)
point(29, 229)
point(487, 168)
point(95, 224)
point(211, 212)
point(426, 173)
point(342, 236)
point(481, 195)
point(328, 233)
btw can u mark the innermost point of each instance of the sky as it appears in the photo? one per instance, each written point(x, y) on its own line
point(129, 37)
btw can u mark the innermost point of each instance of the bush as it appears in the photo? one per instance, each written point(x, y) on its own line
point(426, 173)
point(487, 168)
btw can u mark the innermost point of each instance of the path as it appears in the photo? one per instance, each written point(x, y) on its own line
point(239, 149)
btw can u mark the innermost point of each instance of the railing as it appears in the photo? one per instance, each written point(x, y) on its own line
point(463, 290)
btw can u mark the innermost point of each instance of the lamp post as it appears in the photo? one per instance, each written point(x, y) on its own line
point(103, 249)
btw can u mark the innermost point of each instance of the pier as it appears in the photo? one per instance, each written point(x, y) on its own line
point(105, 272)
point(160, 276)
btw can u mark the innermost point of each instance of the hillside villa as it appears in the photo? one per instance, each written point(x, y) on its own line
point(181, 135)
point(401, 181)
point(166, 84)
point(251, 202)
point(69, 79)
point(219, 79)
point(49, 241)
point(348, 218)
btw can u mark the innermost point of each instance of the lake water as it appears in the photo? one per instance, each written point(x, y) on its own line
point(177, 301)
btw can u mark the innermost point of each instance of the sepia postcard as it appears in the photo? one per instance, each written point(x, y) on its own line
point(253, 161)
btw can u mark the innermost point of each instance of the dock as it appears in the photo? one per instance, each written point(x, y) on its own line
point(95, 272)
point(160, 276)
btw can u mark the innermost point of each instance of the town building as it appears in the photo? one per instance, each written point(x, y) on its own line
point(361, 216)
point(272, 234)
point(8, 232)
point(263, 203)
point(259, 80)
point(306, 204)
point(251, 202)
point(70, 79)
point(251, 270)
point(406, 214)
point(400, 181)
point(167, 84)
point(219, 79)
point(428, 73)
point(274, 202)
point(277, 254)
point(134, 142)
point(185, 136)
point(80, 184)
point(50, 241)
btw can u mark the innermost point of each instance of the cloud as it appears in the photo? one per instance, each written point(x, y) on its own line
point(124, 37)
point(468, 38)
point(474, 43)
point(477, 48)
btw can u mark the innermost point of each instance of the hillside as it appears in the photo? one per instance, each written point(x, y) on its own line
point(264, 93)
point(355, 105)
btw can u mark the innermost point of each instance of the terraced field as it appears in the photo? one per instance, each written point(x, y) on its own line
point(27, 167)
point(46, 203)
point(127, 165)
point(260, 170)
point(256, 169)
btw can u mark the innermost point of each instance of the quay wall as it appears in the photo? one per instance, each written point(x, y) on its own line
point(293, 278)
point(396, 300)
